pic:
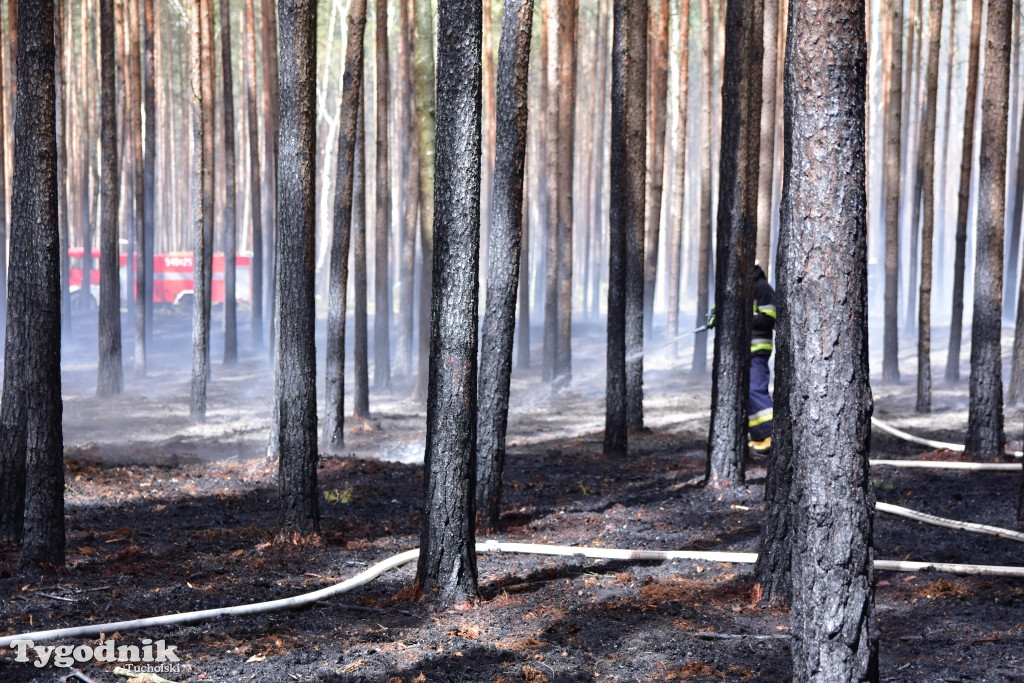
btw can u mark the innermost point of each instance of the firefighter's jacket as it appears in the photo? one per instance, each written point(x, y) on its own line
point(764, 315)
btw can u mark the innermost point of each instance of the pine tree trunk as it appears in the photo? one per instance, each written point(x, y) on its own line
point(960, 259)
point(271, 142)
point(382, 221)
point(913, 162)
point(657, 114)
point(148, 233)
point(3, 185)
point(523, 329)
point(832, 623)
point(737, 240)
point(568, 10)
point(348, 114)
point(230, 222)
point(766, 160)
point(137, 294)
point(678, 225)
point(985, 437)
point(423, 67)
point(109, 376)
point(360, 348)
point(503, 256)
point(406, 123)
point(446, 572)
point(32, 453)
point(63, 129)
point(893, 182)
point(699, 366)
point(553, 150)
point(924, 343)
point(295, 371)
point(626, 210)
point(255, 182)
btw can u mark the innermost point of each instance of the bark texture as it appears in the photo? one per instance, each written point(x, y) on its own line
point(833, 624)
point(678, 215)
point(295, 368)
point(337, 289)
point(109, 374)
point(626, 208)
point(699, 366)
point(766, 151)
point(985, 437)
point(503, 256)
point(567, 20)
point(360, 347)
point(148, 232)
point(31, 440)
point(446, 572)
point(657, 113)
point(737, 239)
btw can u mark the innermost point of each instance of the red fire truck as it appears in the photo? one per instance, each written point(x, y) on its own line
point(172, 278)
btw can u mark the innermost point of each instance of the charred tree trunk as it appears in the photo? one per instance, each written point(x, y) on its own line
point(230, 225)
point(626, 210)
point(409, 155)
point(657, 114)
point(295, 371)
point(699, 367)
point(360, 350)
point(423, 68)
point(271, 142)
point(737, 240)
point(109, 376)
point(833, 624)
point(255, 183)
point(503, 256)
point(3, 189)
point(348, 113)
point(924, 321)
point(32, 453)
point(678, 224)
point(959, 265)
point(550, 291)
point(446, 572)
point(382, 222)
point(893, 182)
point(985, 437)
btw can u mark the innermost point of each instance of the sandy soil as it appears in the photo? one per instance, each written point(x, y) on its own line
point(168, 516)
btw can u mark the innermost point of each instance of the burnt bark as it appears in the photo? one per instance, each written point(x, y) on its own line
point(230, 226)
point(635, 235)
point(109, 374)
point(737, 241)
point(829, 396)
point(893, 182)
point(985, 437)
point(626, 208)
point(962, 216)
point(446, 572)
point(504, 253)
point(382, 221)
point(351, 97)
point(31, 440)
point(295, 356)
point(255, 183)
point(924, 321)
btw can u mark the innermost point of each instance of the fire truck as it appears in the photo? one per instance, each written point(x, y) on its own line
point(172, 278)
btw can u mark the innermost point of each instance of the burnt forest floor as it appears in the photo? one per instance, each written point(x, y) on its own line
point(164, 516)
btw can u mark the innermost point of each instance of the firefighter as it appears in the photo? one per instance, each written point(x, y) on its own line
point(759, 401)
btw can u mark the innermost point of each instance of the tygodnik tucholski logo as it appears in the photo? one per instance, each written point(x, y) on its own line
point(151, 656)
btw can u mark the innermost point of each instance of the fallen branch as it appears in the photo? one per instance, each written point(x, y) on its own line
point(946, 465)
